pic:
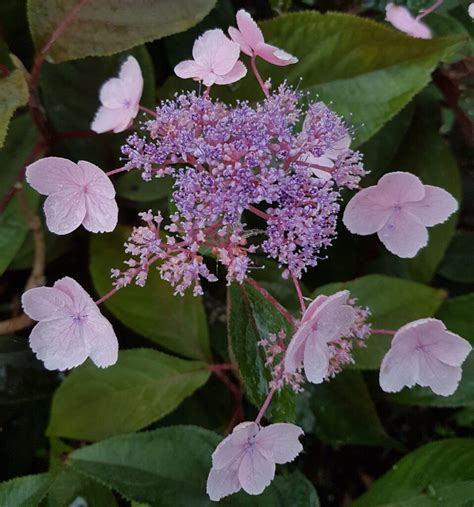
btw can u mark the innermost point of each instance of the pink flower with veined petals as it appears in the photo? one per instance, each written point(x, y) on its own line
point(326, 319)
point(424, 352)
point(70, 328)
point(120, 99)
point(251, 41)
point(399, 209)
point(246, 458)
point(77, 194)
point(216, 60)
point(400, 17)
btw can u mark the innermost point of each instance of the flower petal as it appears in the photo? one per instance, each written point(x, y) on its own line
point(53, 174)
point(279, 442)
point(399, 187)
point(255, 472)
point(116, 120)
point(403, 235)
point(232, 446)
point(188, 69)
point(249, 29)
point(441, 378)
point(132, 78)
point(223, 482)
point(295, 352)
point(274, 55)
point(102, 341)
point(400, 17)
point(113, 94)
point(98, 182)
point(435, 208)
point(238, 38)
point(65, 210)
point(399, 368)
point(215, 52)
point(237, 72)
point(334, 317)
point(313, 307)
point(59, 343)
point(45, 303)
point(316, 360)
point(101, 213)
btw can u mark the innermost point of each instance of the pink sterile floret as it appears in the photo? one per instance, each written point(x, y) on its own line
point(399, 209)
point(251, 41)
point(70, 328)
point(246, 458)
point(215, 60)
point(120, 99)
point(401, 18)
point(77, 194)
point(424, 352)
point(326, 320)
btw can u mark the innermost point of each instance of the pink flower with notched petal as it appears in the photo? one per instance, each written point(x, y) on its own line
point(216, 60)
point(424, 352)
point(77, 194)
point(399, 209)
point(246, 458)
point(400, 17)
point(251, 41)
point(70, 328)
point(120, 99)
point(326, 319)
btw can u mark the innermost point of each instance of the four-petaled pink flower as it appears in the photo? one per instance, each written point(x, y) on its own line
point(424, 352)
point(326, 319)
point(70, 328)
point(120, 99)
point(77, 194)
point(246, 458)
point(401, 18)
point(399, 209)
point(251, 41)
point(216, 60)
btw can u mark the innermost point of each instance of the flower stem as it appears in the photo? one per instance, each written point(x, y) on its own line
point(429, 10)
point(146, 110)
point(299, 292)
point(115, 171)
point(383, 331)
point(258, 212)
point(258, 76)
point(267, 401)
point(106, 296)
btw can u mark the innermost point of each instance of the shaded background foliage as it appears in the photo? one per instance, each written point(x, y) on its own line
point(410, 104)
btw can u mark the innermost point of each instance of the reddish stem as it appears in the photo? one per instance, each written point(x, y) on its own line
point(4, 70)
point(106, 296)
point(383, 331)
point(267, 401)
point(299, 292)
point(115, 171)
point(258, 76)
point(148, 111)
point(425, 12)
point(220, 367)
point(272, 300)
point(257, 212)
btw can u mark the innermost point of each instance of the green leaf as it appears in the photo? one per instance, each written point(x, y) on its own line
point(110, 26)
point(169, 467)
point(340, 60)
point(13, 94)
point(141, 388)
point(440, 473)
point(25, 491)
point(177, 323)
point(132, 186)
point(70, 94)
point(458, 316)
point(457, 265)
point(251, 319)
point(393, 302)
point(344, 413)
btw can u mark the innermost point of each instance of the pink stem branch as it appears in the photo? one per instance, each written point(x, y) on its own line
point(220, 367)
point(299, 292)
point(383, 331)
point(148, 111)
point(425, 12)
point(258, 76)
point(115, 171)
point(267, 401)
point(257, 212)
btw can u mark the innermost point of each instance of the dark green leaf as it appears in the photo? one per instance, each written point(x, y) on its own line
point(133, 187)
point(393, 303)
point(25, 491)
point(440, 473)
point(251, 319)
point(110, 26)
point(177, 323)
point(142, 387)
point(458, 316)
point(13, 94)
point(457, 264)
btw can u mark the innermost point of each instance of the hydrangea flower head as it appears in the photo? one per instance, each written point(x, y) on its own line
point(424, 352)
point(246, 458)
point(401, 18)
point(215, 60)
point(399, 209)
point(251, 41)
point(120, 99)
point(77, 194)
point(315, 344)
point(70, 328)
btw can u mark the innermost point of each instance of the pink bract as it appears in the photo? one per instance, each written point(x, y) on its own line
point(120, 99)
point(326, 319)
point(215, 60)
point(250, 39)
point(77, 194)
point(424, 352)
point(401, 18)
point(70, 328)
point(246, 458)
point(399, 209)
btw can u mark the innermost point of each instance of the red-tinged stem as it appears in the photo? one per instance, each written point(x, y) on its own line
point(383, 331)
point(33, 102)
point(299, 292)
point(148, 111)
point(259, 213)
point(4, 70)
point(272, 300)
point(258, 76)
point(115, 171)
point(425, 12)
point(267, 401)
point(220, 367)
point(106, 296)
